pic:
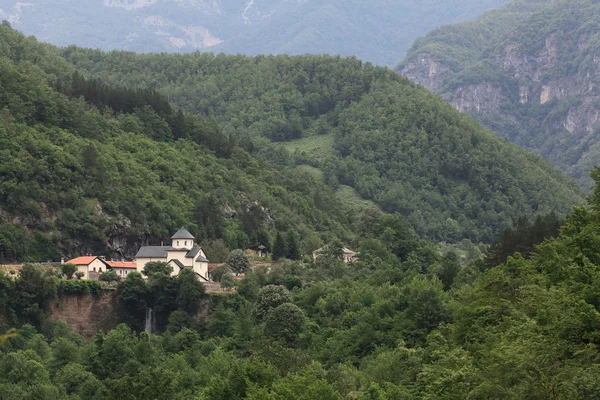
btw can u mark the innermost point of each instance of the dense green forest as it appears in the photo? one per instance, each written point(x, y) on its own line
point(361, 126)
point(86, 167)
point(382, 328)
point(528, 72)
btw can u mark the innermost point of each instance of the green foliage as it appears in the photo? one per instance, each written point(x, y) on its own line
point(270, 297)
point(68, 270)
point(238, 262)
point(391, 142)
point(79, 287)
point(280, 247)
point(109, 276)
point(504, 55)
point(284, 322)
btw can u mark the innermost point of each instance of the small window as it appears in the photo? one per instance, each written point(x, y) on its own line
point(178, 243)
point(185, 243)
point(94, 269)
point(99, 269)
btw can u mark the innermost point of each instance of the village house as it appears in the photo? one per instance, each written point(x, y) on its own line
point(90, 266)
point(349, 256)
point(181, 254)
point(122, 268)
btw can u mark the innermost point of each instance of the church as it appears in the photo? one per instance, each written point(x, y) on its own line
point(181, 254)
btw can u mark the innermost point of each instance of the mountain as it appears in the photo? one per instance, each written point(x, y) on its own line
point(90, 168)
point(379, 31)
point(358, 127)
point(528, 71)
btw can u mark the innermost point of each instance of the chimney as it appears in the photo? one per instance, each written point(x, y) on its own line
point(62, 260)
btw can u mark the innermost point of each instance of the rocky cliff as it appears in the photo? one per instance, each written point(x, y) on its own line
point(533, 79)
point(87, 314)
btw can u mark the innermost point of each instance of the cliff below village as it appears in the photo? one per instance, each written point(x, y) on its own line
point(87, 314)
point(530, 72)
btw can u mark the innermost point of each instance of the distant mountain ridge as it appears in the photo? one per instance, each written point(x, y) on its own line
point(529, 71)
point(379, 31)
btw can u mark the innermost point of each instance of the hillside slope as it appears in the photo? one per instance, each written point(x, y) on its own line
point(395, 143)
point(86, 167)
point(528, 71)
point(378, 31)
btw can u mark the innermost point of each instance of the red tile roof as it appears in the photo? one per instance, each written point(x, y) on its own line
point(85, 260)
point(122, 264)
point(213, 266)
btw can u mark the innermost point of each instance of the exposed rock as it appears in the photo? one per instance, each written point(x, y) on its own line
point(87, 314)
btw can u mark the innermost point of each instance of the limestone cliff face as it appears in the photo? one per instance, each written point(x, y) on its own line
point(537, 87)
point(426, 71)
point(87, 314)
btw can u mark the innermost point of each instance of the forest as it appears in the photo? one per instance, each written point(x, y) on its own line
point(95, 164)
point(517, 326)
point(101, 152)
point(394, 143)
point(537, 59)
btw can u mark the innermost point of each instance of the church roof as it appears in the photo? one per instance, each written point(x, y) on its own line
point(152, 252)
point(182, 234)
point(193, 252)
point(178, 263)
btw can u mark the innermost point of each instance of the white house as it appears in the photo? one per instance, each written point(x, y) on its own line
point(182, 253)
point(90, 266)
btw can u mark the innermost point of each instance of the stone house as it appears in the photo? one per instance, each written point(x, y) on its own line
point(181, 254)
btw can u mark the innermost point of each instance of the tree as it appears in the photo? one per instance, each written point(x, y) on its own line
point(448, 269)
point(269, 297)
point(292, 246)
point(284, 322)
point(238, 262)
point(219, 272)
point(79, 275)
point(132, 294)
point(68, 270)
point(191, 291)
point(279, 248)
point(109, 276)
point(157, 268)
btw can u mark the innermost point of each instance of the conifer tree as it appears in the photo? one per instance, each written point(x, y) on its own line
point(279, 249)
point(293, 250)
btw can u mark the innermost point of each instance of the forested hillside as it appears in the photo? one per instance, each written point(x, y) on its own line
point(527, 71)
point(424, 328)
point(360, 126)
point(86, 167)
point(379, 31)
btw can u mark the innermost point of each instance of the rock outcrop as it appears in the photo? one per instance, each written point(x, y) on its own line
point(537, 87)
point(87, 314)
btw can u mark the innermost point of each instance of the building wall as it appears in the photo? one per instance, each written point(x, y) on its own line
point(83, 269)
point(180, 256)
point(182, 243)
point(123, 272)
point(201, 268)
point(86, 269)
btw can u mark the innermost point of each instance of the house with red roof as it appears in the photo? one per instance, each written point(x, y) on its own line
point(90, 266)
point(122, 268)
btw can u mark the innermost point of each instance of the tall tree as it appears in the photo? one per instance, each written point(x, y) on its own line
point(279, 248)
